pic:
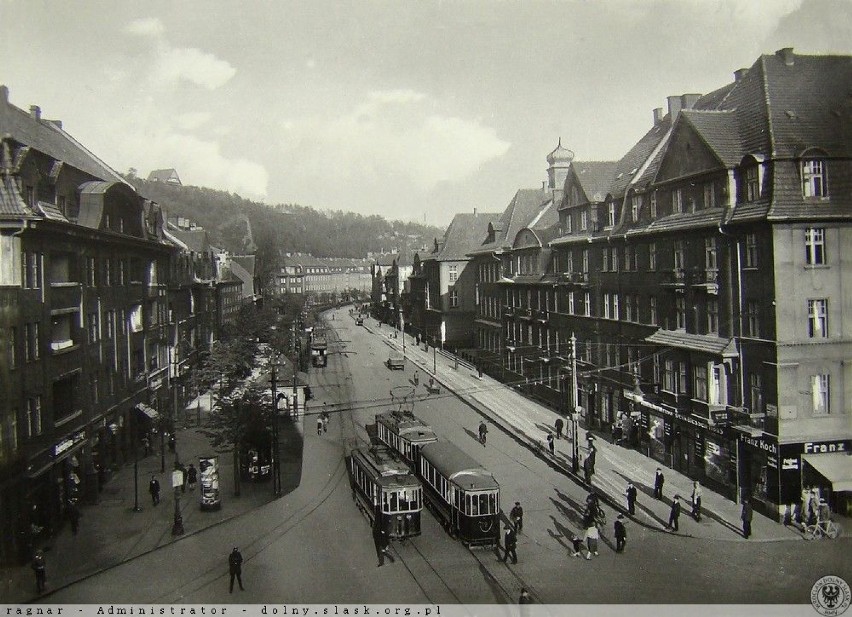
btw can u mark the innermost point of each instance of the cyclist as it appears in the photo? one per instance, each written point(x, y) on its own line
point(483, 432)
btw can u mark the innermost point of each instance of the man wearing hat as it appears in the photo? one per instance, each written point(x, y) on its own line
point(235, 567)
point(517, 516)
point(620, 534)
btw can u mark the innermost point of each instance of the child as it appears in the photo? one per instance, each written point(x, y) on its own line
point(577, 544)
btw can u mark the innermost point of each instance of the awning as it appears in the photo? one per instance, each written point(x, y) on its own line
point(147, 410)
point(836, 468)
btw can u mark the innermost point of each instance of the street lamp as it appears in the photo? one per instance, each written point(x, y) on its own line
point(575, 408)
point(177, 484)
point(276, 462)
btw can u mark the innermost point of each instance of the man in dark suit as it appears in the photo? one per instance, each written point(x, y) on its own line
point(674, 514)
point(510, 541)
point(659, 480)
point(235, 568)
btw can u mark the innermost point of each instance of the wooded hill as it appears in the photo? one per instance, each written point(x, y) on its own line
point(243, 226)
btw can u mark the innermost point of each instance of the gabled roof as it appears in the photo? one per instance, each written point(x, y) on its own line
point(637, 156)
point(47, 136)
point(524, 206)
point(595, 178)
point(719, 131)
point(464, 234)
point(164, 175)
point(195, 240)
point(246, 262)
point(11, 202)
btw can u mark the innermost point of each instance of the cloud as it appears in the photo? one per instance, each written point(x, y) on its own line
point(392, 133)
point(192, 120)
point(172, 65)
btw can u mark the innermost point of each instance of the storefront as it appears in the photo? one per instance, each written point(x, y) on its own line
point(823, 466)
point(759, 470)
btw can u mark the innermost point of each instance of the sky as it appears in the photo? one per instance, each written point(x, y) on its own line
point(409, 110)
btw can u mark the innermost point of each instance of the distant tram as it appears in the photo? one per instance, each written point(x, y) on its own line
point(464, 496)
point(319, 349)
point(384, 487)
point(405, 434)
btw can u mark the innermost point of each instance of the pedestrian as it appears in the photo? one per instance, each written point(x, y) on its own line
point(510, 542)
point(319, 425)
point(172, 442)
point(577, 546)
point(620, 534)
point(483, 432)
point(592, 537)
point(746, 517)
point(550, 444)
point(559, 424)
point(235, 568)
point(154, 489)
point(324, 417)
point(517, 516)
point(659, 480)
point(146, 445)
point(192, 476)
point(416, 378)
point(593, 451)
point(182, 469)
point(696, 500)
point(593, 509)
point(73, 516)
point(631, 493)
point(587, 470)
point(382, 542)
point(38, 569)
point(674, 513)
point(524, 598)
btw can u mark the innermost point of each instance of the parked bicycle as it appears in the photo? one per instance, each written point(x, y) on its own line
point(822, 529)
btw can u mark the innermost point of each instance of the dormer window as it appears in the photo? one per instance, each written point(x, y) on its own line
point(814, 178)
point(635, 206)
point(584, 220)
point(752, 183)
point(610, 220)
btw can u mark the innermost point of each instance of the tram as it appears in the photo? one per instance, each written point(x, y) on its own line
point(319, 349)
point(464, 496)
point(384, 487)
point(405, 434)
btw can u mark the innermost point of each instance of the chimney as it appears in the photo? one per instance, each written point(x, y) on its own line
point(4, 93)
point(688, 101)
point(786, 55)
point(739, 74)
point(658, 115)
point(674, 107)
point(35, 112)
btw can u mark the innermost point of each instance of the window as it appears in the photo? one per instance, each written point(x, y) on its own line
point(677, 201)
point(653, 208)
point(454, 274)
point(628, 307)
point(755, 385)
point(751, 250)
point(813, 178)
point(653, 310)
point(615, 311)
point(679, 255)
point(586, 260)
point(93, 327)
point(820, 394)
point(110, 325)
point(568, 225)
point(587, 301)
point(32, 342)
point(454, 298)
point(752, 182)
point(610, 219)
point(815, 247)
point(614, 259)
point(712, 316)
point(818, 318)
point(710, 254)
point(682, 387)
point(584, 220)
point(34, 419)
point(630, 260)
point(606, 306)
point(13, 347)
point(91, 272)
point(122, 272)
point(569, 262)
point(680, 313)
point(701, 384)
point(709, 195)
point(635, 207)
point(605, 266)
point(32, 270)
point(752, 321)
point(669, 376)
point(570, 303)
point(652, 256)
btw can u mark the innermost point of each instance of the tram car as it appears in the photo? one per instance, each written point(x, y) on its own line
point(405, 434)
point(464, 496)
point(384, 487)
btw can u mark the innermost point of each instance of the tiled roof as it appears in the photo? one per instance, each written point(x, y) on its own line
point(637, 156)
point(51, 211)
point(195, 240)
point(719, 131)
point(47, 137)
point(386, 259)
point(707, 343)
point(11, 202)
point(464, 234)
point(164, 175)
point(595, 177)
point(517, 215)
point(710, 217)
point(246, 262)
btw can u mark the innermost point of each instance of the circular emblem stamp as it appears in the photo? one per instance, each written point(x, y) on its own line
point(830, 596)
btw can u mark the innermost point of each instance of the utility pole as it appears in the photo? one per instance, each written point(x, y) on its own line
point(177, 484)
point(575, 408)
point(276, 464)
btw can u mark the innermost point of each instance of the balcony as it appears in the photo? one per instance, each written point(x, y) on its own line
point(675, 278)
point(742, 420)
point(542, 317)
point(508, 311)
point(580, 279)
point(65, 295)
point(526, 314)
point(710, 283)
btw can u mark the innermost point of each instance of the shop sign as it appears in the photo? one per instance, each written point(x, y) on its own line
point(699, 447)
point(772, 461)
point(683, 418)
point(790, 463)
point(824, 447)
point(68, 443)
point(771, 410)
point(769, 447)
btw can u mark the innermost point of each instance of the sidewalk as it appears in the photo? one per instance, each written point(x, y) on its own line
point(111, 532)
point(530, 422)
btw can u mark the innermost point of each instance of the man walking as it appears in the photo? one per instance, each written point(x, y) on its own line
point(550, 444)
point(559, 424)
point(592, 537)
point(620, 534)
point(382, 542)
point(510, 541)
point(631, 498)
point(674, 514)
point(39, 570)
point(659, 480)
point(587, 470)
point(483, 432)
point(746, 517)
point(154, 489)
point(517, 516)
point(696, 500)
point(235, 568)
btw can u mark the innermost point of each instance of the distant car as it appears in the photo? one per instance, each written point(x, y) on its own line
point(396, 361)
point(359, 321)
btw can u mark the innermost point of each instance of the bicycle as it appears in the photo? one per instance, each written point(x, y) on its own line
point(822, 529)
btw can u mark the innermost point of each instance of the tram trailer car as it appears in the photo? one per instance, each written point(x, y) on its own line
point(383, 486)
point(405, 434)
point(463, 495)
